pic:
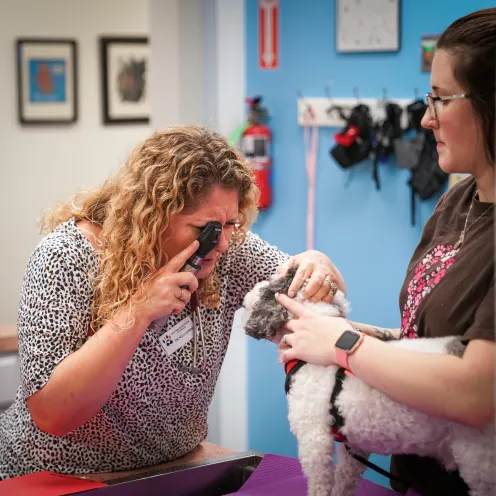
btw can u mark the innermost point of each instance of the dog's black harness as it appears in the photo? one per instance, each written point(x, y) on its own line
point(337, 418)
point(291, 368)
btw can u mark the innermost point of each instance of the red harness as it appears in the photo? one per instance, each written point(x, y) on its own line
point(336, 434)
point(289, 368)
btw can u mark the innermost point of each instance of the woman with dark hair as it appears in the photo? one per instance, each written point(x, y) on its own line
point(449, 284)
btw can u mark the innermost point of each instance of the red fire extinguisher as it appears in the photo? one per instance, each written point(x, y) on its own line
point(255, 145)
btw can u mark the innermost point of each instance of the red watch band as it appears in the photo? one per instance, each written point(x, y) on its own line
point(342, 354)
point(342, 358)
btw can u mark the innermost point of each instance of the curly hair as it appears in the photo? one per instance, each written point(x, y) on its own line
point(172, 170)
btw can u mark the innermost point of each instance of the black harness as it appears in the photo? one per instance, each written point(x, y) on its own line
point(337, 419)
point(291, 368)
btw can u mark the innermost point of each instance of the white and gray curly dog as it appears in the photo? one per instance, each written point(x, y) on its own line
point(321, 397)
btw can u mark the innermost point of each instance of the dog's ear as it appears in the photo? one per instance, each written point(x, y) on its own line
point(282, 285)
point(253, 297)
point(265, 315)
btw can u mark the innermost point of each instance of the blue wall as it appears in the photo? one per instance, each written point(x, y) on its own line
point(367, 233)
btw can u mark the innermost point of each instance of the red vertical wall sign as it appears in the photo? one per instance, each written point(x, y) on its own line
point(268, 34)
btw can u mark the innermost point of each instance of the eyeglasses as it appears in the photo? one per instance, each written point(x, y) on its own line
point(435, 103)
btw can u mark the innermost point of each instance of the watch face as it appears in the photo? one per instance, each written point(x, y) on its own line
point(347, 340)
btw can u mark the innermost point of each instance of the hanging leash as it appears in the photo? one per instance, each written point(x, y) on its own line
point(373, 466)
point(311, 139)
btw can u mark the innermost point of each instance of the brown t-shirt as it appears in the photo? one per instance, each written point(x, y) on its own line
point(448, 290)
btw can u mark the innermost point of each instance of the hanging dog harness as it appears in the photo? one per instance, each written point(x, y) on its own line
point(311, 137)
point(291, 368)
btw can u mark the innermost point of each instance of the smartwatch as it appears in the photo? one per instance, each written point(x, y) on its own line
point(347, 343)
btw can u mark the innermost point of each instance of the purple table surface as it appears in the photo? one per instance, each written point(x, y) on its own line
point(282, 476)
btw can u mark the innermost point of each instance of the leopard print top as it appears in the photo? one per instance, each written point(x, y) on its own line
point(158, 412)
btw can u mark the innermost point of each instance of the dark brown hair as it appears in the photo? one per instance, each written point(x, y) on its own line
point(471, 40)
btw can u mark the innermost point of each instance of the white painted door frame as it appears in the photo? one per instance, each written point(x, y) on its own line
point(198, 76)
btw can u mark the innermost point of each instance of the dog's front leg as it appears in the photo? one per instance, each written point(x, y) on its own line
point(347, 473)
point(310, 420)
point(315, 452)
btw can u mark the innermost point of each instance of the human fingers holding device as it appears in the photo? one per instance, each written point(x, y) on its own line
point(185, 280)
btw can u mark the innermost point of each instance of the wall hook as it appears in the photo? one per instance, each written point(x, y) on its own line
point(327, 91)
point(308, 112)
point(331, 108)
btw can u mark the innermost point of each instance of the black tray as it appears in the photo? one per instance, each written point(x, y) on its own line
point(214, 477)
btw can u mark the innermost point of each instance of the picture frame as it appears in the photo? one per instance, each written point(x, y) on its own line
point(46, 81)
point(368, 26)
point(125, 87)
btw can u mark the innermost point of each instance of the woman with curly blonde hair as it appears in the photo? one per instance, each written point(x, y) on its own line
point(103, 387)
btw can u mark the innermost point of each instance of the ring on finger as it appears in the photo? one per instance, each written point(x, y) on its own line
point(334, 288)
point(181, 296)
point(332, 285)
point(285, 340)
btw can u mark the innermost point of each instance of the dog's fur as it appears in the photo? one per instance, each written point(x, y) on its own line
point(373, 422)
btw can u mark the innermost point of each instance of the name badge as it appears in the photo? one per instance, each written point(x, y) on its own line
point(177, 336)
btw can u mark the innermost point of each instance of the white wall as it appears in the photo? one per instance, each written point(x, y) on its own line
point(232, 391)
point(197, 76)
point(178, 60)
point(40, 166)
point(198, 52)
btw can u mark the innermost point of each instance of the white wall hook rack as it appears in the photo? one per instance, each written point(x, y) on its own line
point(320, 115)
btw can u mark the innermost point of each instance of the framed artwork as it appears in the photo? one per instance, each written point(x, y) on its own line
point(46, 81)
point(125, 87)
point(368, 26)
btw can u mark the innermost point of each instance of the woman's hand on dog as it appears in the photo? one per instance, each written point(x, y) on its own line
point(312, 337)
point(317, 271)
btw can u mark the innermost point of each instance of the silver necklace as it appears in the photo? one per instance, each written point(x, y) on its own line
point(461, 239)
